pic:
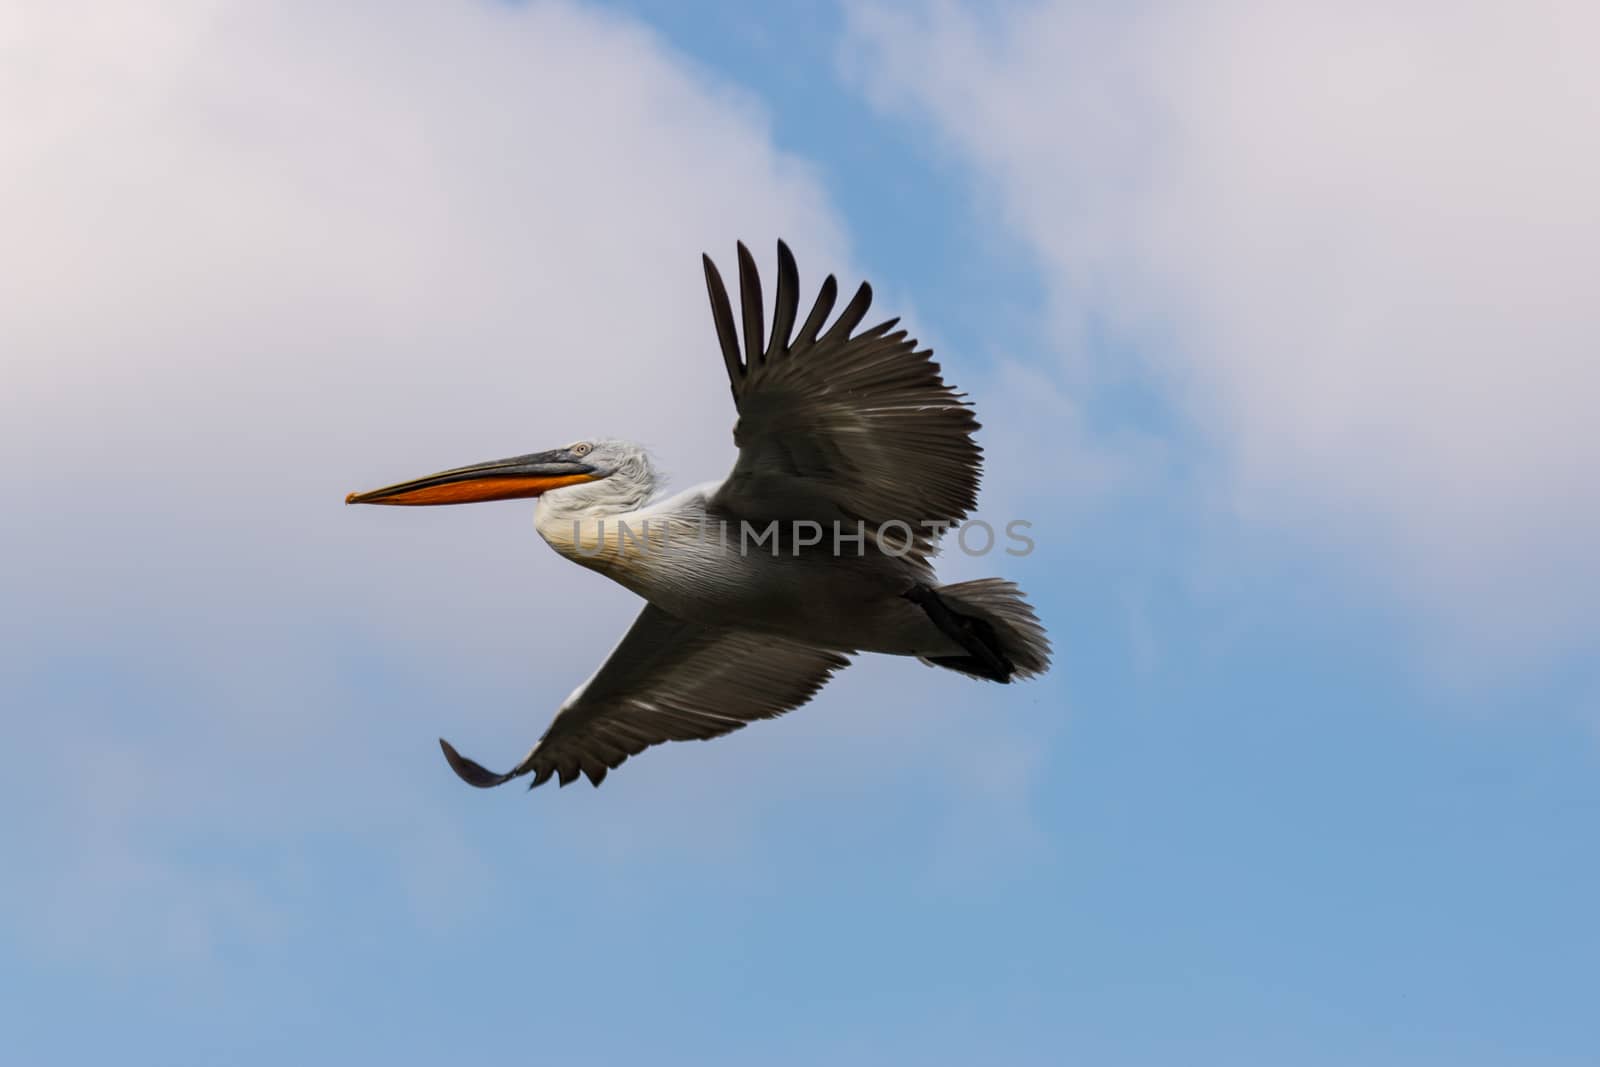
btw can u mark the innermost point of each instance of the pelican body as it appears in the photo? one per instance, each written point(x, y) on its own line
point(853, 452)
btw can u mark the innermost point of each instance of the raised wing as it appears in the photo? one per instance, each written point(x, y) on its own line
point(834, 427)
point(668, 680)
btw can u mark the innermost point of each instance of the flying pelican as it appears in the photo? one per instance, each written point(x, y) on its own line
point(855, 446)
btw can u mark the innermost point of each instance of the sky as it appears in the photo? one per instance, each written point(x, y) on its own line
point(1278, 320)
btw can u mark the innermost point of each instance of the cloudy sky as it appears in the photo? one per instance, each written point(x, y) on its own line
point(1280, 320)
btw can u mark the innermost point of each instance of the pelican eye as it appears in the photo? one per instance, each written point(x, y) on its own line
point(581, 449)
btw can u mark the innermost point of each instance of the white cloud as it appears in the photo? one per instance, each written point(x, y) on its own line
point(260, 255)
point(1358, 243)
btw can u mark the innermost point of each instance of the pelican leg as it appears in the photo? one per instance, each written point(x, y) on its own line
point(976, 635)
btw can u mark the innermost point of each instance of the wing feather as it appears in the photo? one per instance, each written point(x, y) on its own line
point(840, 427)
point(819, 312)
point(722, 312)
point(667, 680)
point(750, 301)
point(787, 302)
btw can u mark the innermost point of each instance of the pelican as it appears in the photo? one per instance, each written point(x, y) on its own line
point(853, 454)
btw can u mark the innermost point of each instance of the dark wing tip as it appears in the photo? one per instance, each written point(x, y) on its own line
point(474, 774)
point(826, 295)
point(750, 305)
point(722, 316)
point(787, 306)
point(851, 316)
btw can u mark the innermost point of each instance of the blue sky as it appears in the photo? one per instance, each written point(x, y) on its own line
point(1298, 415)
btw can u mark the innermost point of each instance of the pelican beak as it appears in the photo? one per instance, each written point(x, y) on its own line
point(503, 479)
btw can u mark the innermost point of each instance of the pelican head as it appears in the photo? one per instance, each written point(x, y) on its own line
point(602, 473)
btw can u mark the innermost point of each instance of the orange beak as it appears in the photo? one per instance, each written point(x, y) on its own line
point(504, 479)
